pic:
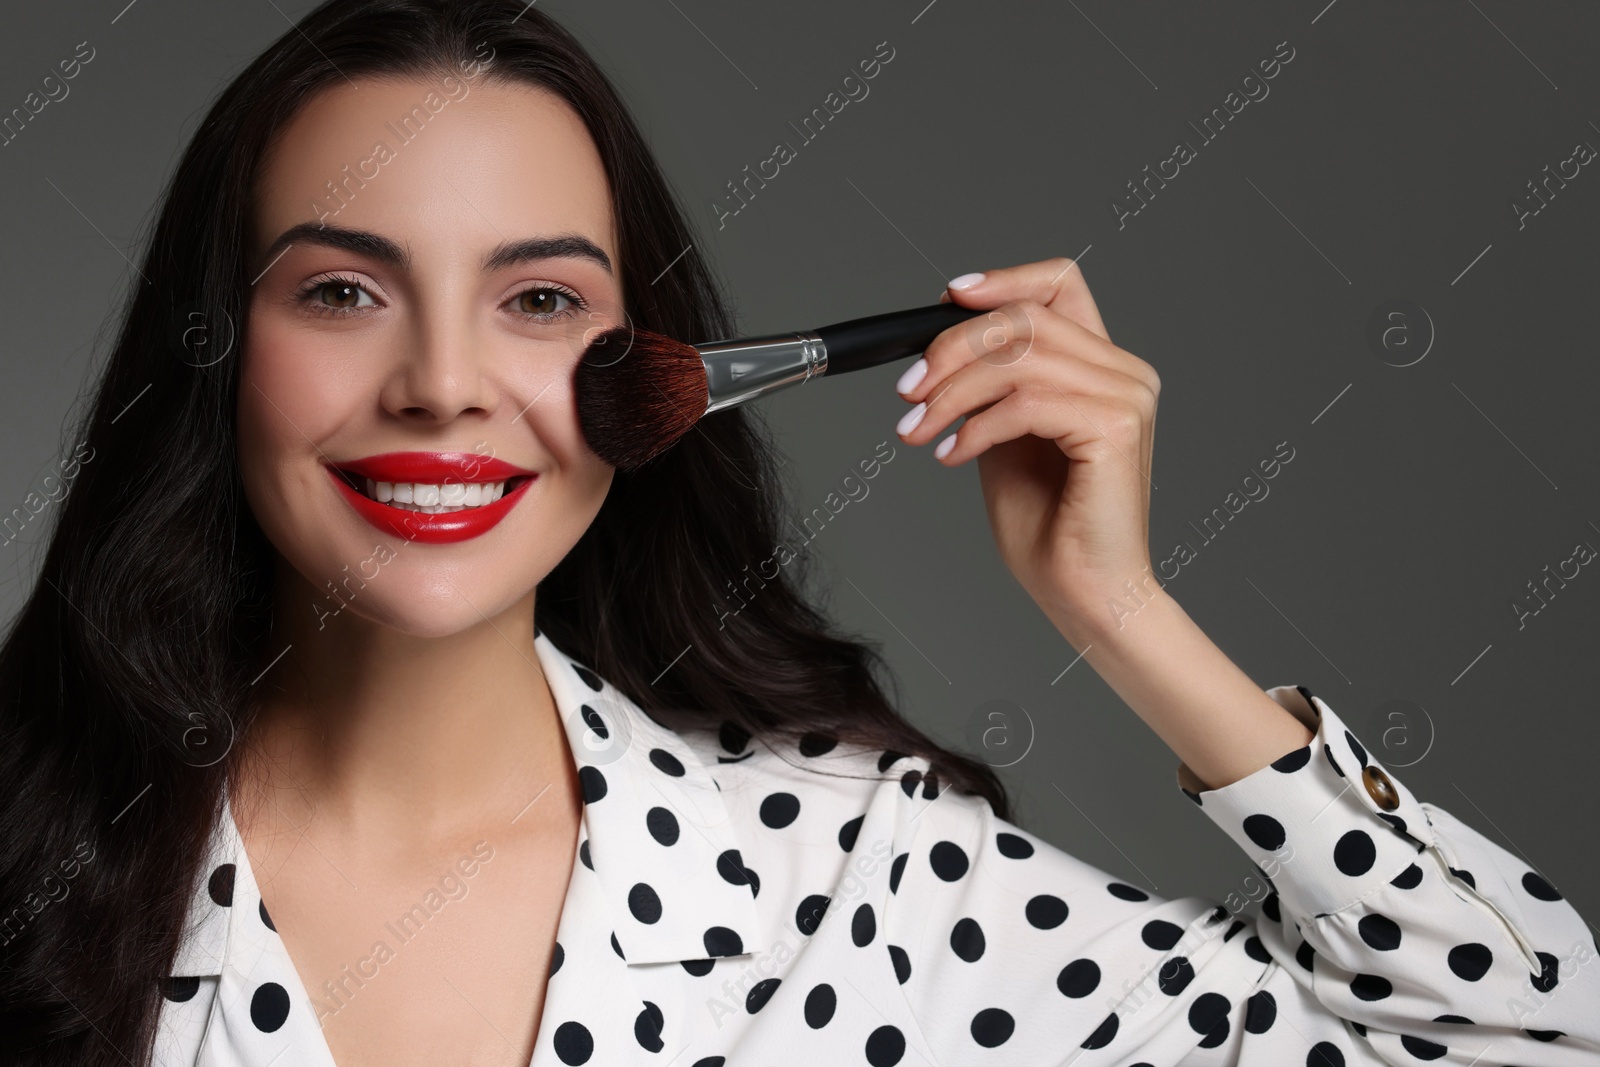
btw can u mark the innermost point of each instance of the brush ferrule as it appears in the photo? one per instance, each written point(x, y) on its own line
point(740, 370)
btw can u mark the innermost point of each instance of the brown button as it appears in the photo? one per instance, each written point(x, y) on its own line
point(1380, 788)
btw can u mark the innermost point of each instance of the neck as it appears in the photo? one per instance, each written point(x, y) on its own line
point(410, 739)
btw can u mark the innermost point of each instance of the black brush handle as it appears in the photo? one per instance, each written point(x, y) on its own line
point(885, 338)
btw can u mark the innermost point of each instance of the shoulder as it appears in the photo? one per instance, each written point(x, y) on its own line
point(942, 881)
point(813, 817)
point(822, 812)
point(814, 797)
point(803, 784)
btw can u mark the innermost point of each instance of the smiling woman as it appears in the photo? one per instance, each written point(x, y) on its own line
point(395, 446)
point(714, 841)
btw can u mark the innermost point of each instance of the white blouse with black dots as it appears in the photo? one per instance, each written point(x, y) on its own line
point(735, 905)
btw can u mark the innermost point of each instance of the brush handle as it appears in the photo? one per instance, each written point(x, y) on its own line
point(885, 338)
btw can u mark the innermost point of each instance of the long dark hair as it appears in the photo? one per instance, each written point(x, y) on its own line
point(126, 677)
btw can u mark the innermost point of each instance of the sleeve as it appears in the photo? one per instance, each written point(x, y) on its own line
point(1389, 933)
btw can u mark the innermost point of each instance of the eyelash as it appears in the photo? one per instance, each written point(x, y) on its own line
point(306, 298)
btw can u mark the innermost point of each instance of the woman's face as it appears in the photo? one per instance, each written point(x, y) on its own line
point(435, 301)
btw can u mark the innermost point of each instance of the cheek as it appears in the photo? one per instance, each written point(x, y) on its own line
point(287, 402)
point(553, 416)
point(579, 478)
point(539, 396)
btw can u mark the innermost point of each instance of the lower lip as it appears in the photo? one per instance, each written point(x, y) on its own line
point(441, 529)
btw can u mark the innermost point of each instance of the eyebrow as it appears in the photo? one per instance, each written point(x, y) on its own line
point(376, 246)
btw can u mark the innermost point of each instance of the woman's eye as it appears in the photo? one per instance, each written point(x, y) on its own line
point(545, 302)
point(337, 294)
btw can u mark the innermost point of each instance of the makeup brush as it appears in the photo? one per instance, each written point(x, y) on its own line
point(638, 392)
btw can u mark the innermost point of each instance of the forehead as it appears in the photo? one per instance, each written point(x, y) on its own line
point(444, 165)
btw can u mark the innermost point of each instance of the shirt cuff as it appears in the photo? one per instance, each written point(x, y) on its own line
point(1326, 824)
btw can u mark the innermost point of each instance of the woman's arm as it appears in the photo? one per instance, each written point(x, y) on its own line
point(1208, 711)
point(1389, 933)
point(1062, 424)
point(1393, 934)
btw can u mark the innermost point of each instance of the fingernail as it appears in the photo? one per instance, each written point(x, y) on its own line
point(912, 377)
point(909, 420)
point(944, 447)
point(966, 281)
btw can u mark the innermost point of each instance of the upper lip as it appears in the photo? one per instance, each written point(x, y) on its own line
point(432, 468)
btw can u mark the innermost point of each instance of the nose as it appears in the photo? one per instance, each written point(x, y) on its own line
point(442, 371)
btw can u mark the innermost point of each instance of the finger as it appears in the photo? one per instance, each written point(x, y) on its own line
point(1018, 332)
point(1056, 283)
point(980, 382)
point(1083, 427)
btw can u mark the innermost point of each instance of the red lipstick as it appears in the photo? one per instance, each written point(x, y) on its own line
point(431, 468)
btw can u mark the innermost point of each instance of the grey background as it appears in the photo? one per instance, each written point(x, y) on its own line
point(1384, 563)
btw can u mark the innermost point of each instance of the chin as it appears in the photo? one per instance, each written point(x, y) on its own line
point(430, 616)
point(400, 588)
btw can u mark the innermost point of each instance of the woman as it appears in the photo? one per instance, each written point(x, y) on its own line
point(319, 755)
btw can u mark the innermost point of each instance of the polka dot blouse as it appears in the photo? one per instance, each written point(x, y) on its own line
point(735, 905)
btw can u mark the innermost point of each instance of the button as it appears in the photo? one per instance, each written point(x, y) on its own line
point(1380, 788)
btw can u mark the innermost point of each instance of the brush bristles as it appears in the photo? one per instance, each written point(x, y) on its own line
point(637, 393)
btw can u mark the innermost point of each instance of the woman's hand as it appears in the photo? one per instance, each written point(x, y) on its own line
point(1062, 422)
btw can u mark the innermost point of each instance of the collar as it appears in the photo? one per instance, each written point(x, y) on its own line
point(655, 832)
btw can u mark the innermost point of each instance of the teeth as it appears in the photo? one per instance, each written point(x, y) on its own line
point(435, 499)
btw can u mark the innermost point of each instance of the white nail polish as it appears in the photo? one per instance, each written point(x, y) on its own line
point(943, 448)
point(912, 377)
point(909, 420)
point(966, 281)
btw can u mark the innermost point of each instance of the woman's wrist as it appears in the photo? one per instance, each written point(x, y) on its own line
point(1219, 722)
